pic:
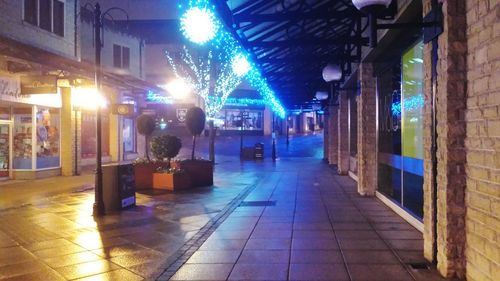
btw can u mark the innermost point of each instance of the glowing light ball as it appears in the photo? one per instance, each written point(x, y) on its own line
point(199, 25)
point(240, 65)
point(178, 88)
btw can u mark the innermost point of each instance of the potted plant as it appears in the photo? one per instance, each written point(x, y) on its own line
point(171, 179)
point(145, 167)
point(201, 171)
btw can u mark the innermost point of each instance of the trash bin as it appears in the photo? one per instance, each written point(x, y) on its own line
point(258, 151)
point(118, 186)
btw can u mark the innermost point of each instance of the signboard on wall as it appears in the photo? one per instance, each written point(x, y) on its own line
point(123, 109)
point(10, 91)
point(38, 84)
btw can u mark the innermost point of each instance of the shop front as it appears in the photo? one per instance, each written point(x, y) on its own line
point(400, 130)
point(29, 132)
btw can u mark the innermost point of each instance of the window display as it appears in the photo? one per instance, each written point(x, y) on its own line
point(4, 150)
point(128, 135)
point(400, 143)
point(252, 119)
point(22, 141)
point(47, 138)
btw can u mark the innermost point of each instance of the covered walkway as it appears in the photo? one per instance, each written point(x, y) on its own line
point(303, 222)
point(293, 219)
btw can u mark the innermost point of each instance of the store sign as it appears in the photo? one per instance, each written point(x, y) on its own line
point(181, 114)
point(123, 109)
point(10, 90)
point(38, 84)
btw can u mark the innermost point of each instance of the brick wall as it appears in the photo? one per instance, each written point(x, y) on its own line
point(367, 131)
point(483, 140)
point(451, 155)
point(333, 135)
point(343, 134)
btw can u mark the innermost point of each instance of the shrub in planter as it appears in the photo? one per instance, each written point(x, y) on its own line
point(166, 146)
point(201, 171)
point(171, 179)
point(195, 122)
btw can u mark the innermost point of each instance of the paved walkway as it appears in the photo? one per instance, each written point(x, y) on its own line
point(316, 228)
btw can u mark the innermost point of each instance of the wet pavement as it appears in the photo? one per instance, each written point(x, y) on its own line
point(315, 228)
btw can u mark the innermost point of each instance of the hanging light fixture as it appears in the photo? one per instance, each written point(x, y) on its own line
point(368, 6)
point(332, 72)
point(321, 95)
point(432, 23)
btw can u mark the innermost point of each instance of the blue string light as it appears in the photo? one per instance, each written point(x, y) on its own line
point(232, 51)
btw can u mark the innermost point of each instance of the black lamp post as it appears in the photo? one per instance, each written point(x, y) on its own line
point(98, 208)
point(98, 203)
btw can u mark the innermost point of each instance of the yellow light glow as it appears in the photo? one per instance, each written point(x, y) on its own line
point(88, 98)
point(178, 88)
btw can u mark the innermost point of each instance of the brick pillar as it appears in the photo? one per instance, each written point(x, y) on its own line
point(325, 136)
point(343, 134)
point(67, 134)
point(367, 131)
point(332, 135)
point(451, 156)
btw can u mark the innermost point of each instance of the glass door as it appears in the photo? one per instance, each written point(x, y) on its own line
point(4, 150)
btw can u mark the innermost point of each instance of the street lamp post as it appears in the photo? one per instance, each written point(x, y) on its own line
point(273, 154)
point(98, 209)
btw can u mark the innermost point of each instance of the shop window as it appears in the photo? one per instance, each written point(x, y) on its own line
point(121, 56)
point(22, 139)
point(46, 14)
point(252, 120)
point(47, 138)
point(129, 135)
point(400, 131)
point(89, 140)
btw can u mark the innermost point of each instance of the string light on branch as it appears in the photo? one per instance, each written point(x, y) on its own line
point(199, 24)
point(240, 64)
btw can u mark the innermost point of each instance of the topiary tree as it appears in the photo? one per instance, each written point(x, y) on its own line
point(145, 126)
point(166, 146)
point(195, 122)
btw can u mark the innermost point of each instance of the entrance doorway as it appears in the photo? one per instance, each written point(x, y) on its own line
point(5, 149)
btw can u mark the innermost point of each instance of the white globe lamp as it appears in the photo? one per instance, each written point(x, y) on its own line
point(332, 72)
point(371, 6)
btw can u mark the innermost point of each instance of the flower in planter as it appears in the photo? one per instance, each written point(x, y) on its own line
point(174, 171)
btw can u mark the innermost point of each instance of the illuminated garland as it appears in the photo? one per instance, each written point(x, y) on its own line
point(245, 102)
point(230, 50)
point(198, 72)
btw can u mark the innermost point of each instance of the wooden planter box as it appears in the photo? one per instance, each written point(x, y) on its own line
point(201, 172)
point(144, 174)
point(171, 182)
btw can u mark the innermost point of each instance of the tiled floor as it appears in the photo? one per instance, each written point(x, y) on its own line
point(319, 229)
point(56, 238)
